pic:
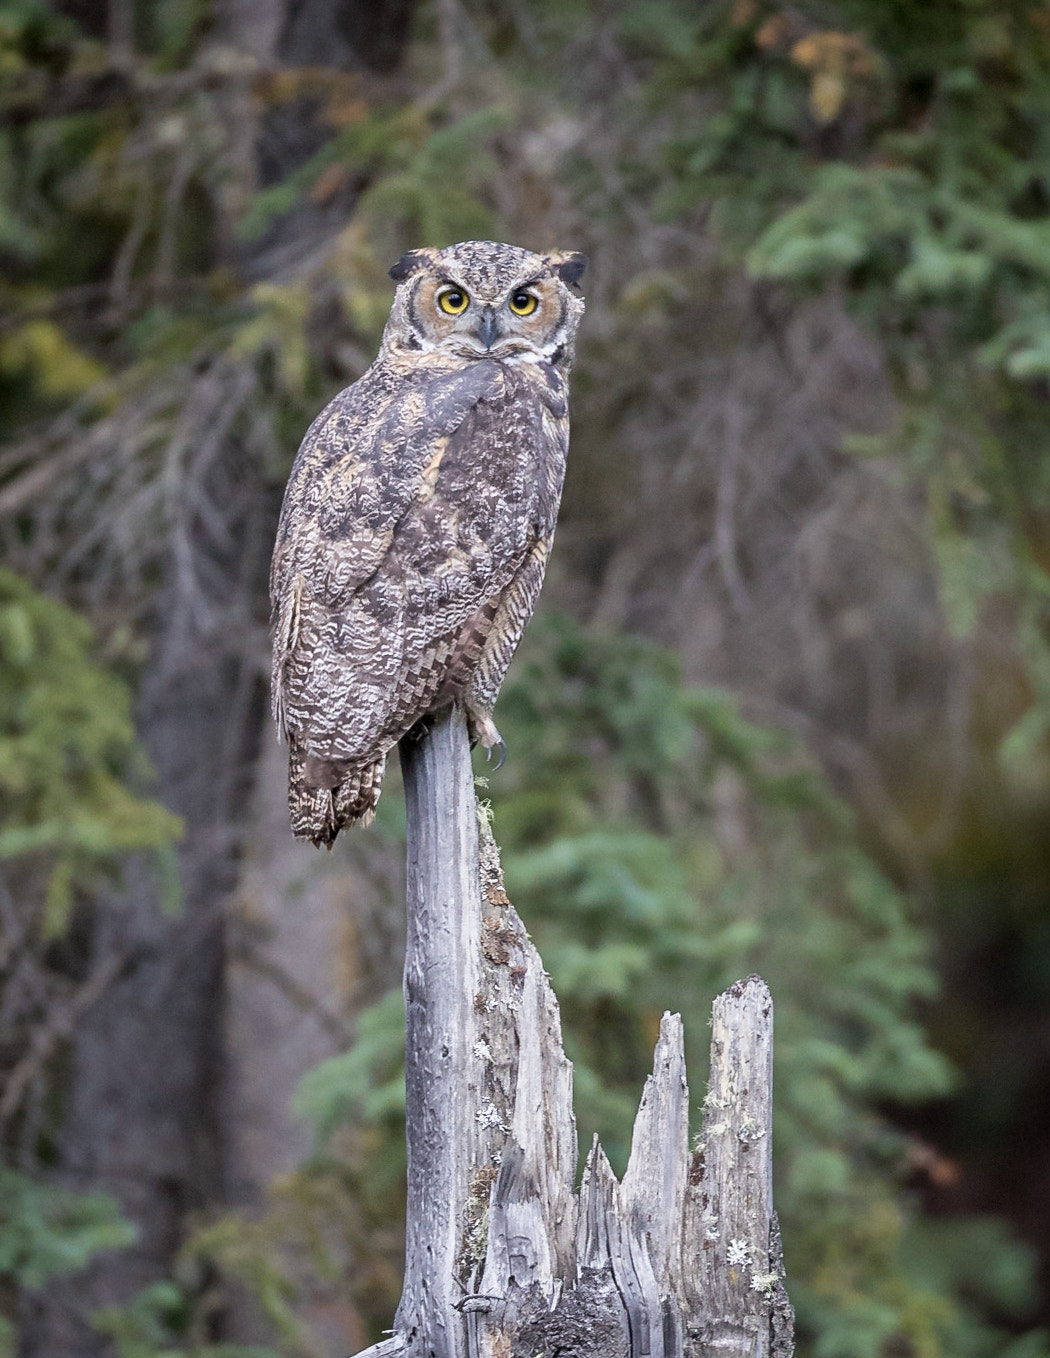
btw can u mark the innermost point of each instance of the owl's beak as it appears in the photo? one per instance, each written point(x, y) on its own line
point(488, 327)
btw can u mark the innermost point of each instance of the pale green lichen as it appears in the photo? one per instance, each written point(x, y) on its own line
point(476, 1227)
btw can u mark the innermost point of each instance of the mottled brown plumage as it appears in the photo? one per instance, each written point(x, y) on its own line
point(418, 520)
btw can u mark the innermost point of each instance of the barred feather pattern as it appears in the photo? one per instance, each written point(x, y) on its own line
point(415, 532)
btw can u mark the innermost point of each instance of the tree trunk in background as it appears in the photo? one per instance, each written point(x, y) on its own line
point(289, 973)
point(146, 1093)
point(146, 1076)
point(312, 939)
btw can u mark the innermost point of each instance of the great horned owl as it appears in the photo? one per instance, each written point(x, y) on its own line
point(418, 520)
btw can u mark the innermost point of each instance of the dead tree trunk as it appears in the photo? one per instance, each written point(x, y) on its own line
point(503, 1258)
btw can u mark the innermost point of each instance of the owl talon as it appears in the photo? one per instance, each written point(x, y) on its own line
point(483, 730)
point(500, 746)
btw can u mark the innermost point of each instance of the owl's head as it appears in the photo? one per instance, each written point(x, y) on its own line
point(480, 299)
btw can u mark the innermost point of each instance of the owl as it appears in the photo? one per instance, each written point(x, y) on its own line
point(418, 520)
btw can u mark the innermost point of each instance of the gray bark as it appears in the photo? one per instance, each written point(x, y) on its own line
point(442, 1071)
point(503, 1258)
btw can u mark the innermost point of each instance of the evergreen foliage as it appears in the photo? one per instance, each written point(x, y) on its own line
point(899, 154)
point(67, 747)
point(46, 1231)
point(158, 1323)
point(49, 1231)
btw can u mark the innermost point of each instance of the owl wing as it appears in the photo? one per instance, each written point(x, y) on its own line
point(364, 459)
point(378, 570)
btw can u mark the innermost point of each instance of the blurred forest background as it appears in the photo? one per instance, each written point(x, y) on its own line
point(785, 707)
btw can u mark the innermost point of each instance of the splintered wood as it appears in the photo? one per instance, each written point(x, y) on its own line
point(504, 1258)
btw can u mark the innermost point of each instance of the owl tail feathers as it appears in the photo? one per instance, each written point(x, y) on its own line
point(318, 813)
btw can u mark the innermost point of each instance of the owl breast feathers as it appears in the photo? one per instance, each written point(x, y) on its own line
point(418, 519)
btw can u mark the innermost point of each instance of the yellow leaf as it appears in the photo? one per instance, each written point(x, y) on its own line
point(827, 94)
point(41, 349)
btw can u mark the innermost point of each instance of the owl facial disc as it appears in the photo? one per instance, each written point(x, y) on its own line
point(480, 299)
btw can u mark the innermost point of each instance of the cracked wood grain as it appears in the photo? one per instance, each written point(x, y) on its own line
point(504, 1259)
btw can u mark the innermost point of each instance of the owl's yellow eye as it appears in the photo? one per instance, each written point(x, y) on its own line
point(453, 301)
point(523, 303)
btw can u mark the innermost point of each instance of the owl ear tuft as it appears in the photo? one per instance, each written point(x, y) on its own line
point(410, 262)
point(568, 265)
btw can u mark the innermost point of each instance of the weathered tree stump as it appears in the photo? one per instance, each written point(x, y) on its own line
point(504, 1259)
